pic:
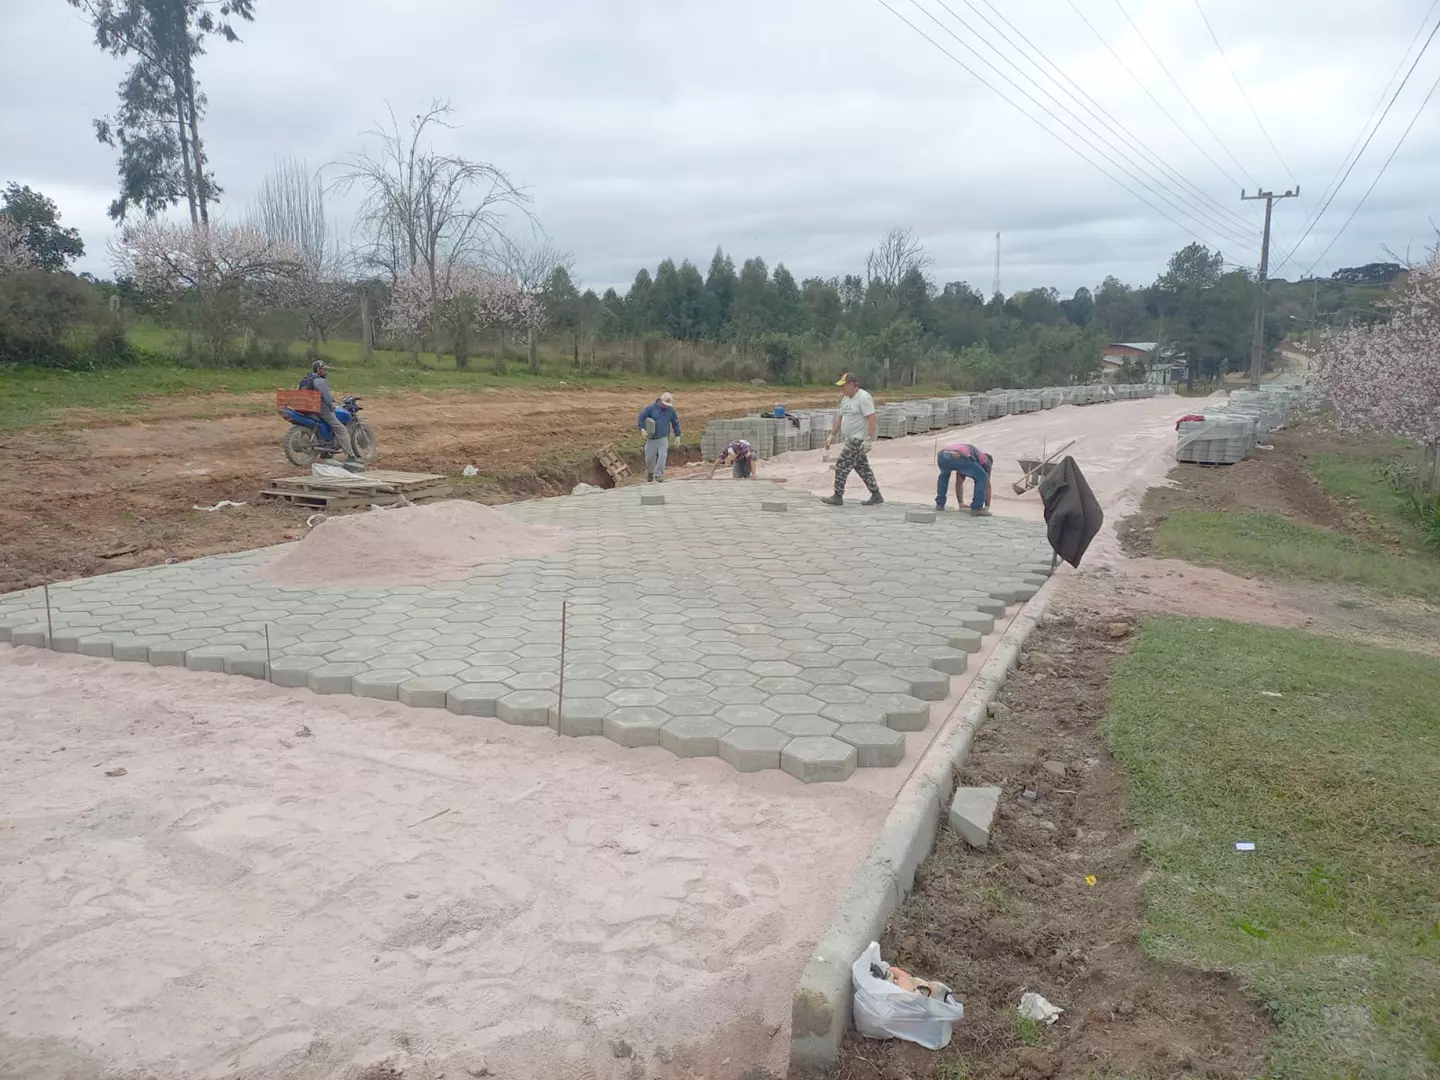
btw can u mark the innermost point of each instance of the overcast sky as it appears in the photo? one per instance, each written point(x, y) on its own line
point(799, 130)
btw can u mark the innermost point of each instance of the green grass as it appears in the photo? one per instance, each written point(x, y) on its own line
point(1356, 476)
point(1272, 546)
point(1332, 920)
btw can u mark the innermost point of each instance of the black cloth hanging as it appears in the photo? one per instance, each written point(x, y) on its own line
point(1072, 516)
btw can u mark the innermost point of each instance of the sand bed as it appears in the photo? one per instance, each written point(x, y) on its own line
point(247, 901)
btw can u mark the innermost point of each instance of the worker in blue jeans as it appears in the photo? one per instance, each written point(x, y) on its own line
point(970, 461)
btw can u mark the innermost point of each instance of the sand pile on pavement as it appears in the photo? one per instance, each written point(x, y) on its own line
point(410, 545)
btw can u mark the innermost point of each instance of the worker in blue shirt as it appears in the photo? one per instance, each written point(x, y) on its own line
point(658, 421)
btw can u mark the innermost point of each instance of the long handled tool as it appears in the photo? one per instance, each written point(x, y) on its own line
point(1032, 476)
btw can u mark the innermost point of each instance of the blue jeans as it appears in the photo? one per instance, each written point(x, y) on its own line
point(951, 462)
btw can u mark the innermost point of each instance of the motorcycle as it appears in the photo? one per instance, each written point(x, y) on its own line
point(310, 438)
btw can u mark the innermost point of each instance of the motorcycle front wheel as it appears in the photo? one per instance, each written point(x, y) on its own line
point(363, 437)
point(301, 446)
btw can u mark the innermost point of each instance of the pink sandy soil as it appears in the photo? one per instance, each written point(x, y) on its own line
point(439, 893)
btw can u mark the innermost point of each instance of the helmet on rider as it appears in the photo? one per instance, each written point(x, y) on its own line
point(317, 367)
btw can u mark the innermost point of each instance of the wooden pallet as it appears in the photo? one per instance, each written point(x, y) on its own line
point(379, 487)
point(613, 463)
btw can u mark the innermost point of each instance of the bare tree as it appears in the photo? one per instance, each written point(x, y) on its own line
point(289, 208)
point(424, 211)
point(898, 254)
point(533, 268)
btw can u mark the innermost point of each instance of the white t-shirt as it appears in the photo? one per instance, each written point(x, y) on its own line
point(854, 412)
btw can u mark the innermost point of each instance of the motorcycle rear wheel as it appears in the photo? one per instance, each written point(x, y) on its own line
point(363, 438)
point(301, 446)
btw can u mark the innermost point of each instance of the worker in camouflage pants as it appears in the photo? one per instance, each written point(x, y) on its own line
point(856, 426)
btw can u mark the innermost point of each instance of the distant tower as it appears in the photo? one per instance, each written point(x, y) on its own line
point(995, 288)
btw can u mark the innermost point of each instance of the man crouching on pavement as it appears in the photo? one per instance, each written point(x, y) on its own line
point(856, 426)
point(743, 455)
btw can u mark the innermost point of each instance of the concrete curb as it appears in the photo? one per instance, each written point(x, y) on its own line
point(820, 1007)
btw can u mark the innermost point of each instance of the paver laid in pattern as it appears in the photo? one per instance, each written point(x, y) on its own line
point(809, 641)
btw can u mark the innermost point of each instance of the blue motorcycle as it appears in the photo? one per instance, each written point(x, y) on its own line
point(310, 438)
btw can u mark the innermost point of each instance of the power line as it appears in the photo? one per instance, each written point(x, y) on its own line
point(1333, 188)
point(1199, 216)
point(1403, 135)
point(1239, 86)
point(1181, 90)
point(1095, 109)
point(1033, 119)
point(1146, 90)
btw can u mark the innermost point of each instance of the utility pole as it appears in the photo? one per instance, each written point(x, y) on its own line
point(1257, 350)
point(995, 288)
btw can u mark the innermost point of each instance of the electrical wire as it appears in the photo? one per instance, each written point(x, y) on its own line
point(1200, 215)
point(1115, 125)
point(1043, 107)
point(1399, 143)
point(1146, 90)
point(1181, 90)
point(1240, 86)
point(1333, 188)
point(1033, 119)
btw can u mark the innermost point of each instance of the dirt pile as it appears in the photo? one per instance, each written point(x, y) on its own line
point(410, 545)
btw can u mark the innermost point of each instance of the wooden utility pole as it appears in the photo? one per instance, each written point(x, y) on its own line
point(1257, 350)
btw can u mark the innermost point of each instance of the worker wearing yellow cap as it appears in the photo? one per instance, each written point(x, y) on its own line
point(855, 424)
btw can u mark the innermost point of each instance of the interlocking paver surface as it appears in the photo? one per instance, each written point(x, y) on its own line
point(686, 623)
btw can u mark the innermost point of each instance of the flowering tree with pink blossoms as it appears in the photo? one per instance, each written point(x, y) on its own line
point(15, 253)
point(1385, 378)
point(231, 274)
point(458, 304)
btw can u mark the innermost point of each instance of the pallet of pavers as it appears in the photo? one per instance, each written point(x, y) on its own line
point(378, 487)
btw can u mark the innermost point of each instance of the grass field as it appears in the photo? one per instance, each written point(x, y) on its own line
point(1268, 545)
point(1327, 757)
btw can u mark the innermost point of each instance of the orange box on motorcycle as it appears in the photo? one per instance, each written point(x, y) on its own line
point(305, 401)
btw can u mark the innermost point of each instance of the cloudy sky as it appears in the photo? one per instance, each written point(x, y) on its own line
point(801, 130)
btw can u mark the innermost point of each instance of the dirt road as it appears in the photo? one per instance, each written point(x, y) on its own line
point(70, 494)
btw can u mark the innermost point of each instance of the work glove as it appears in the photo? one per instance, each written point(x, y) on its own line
point(866, 446)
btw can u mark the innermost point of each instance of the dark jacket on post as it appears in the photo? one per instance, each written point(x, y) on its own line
point(1072, 516)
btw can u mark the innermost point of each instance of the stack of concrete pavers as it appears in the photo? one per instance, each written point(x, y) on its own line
point(772, 436)
point(891, 422)
point(758, 431)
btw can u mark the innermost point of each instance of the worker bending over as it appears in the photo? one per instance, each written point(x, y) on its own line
point(742, 454)
point(964, 460)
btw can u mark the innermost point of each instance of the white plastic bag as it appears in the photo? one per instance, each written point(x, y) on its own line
point(886, 1011)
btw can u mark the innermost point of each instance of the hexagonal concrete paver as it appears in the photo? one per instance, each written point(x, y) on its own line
point(334, 678)
point(383, 684)
point(752, 749)
point(925, 683)
point(526, 708)
point(294, 671)
point(818, 758)
point(875, 745)
point(693, 736)
point(427, 691)
point(580, 716)
point(475, 699)
point(797, 726)
point(747, 716)
point(635, 725)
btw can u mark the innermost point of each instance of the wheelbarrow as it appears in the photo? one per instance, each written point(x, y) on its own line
point(1036, 469)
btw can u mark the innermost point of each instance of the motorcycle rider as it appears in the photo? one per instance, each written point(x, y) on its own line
point(316, 380)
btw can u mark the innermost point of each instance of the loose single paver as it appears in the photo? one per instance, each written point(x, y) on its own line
point(762, 663)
